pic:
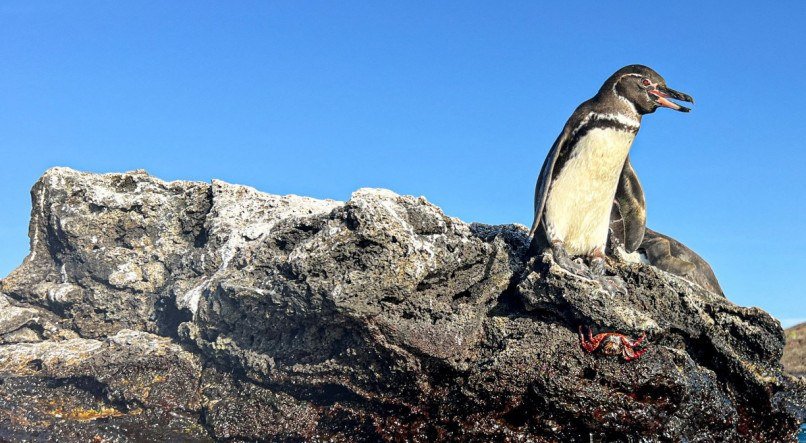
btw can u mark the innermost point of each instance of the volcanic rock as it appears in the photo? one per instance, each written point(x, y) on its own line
point(794, 359)
point(191, 311)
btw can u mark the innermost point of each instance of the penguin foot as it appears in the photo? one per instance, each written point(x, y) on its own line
point(576, 267)
point(598, 266)
point(597, 260)
point(613, 284)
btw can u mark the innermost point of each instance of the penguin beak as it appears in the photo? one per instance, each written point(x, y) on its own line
point(662, 95)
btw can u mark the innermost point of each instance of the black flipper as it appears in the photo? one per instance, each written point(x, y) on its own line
point(628, 217)
point(556, 157)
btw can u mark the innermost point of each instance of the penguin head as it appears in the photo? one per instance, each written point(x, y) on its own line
point(645, 89)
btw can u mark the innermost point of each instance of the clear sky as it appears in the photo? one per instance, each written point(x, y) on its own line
point(457, 101)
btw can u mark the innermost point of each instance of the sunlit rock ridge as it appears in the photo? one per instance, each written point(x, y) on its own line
point(152, 310)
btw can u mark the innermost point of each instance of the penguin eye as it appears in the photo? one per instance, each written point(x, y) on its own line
point(645, 82)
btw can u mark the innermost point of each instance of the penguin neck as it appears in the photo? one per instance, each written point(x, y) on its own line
point(623, 106)
point(617, 108)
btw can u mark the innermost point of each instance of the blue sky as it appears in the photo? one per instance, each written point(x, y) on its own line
point(456, 101)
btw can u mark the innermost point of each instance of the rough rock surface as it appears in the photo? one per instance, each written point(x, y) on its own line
point(794, 359)
point(188, 311)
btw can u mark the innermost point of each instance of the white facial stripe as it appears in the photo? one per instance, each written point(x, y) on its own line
point(631, 104)
point(623, 99)
point(621, 77)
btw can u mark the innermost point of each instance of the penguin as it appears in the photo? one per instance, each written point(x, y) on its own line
point(632, 241)
point(589, 160)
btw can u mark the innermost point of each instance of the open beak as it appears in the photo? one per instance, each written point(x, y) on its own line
point(663, 94)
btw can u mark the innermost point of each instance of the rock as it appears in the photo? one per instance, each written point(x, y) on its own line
point(132, 384)
point(794, 359)
point(215, 312)
point(107, 249)
point(20, 323)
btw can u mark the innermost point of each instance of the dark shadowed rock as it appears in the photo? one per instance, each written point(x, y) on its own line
point(169, 311)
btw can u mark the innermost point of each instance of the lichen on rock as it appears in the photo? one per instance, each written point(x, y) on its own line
point(183, 310)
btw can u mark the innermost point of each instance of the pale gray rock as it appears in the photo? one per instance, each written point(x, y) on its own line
point(107, 249)
point(239, 218)
point(189, 311)
point(20, 323)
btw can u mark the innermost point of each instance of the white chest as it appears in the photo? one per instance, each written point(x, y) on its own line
point(581, 195)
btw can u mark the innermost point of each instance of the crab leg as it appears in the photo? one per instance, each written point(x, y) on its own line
point(635, 354)
point(589, 345)
point(632, 344)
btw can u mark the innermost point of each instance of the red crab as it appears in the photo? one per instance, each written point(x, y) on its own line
point(612, 343)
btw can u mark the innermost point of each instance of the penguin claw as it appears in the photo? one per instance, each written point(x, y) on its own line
point(613, 284)
point(596, 272)
point(598, 266)
point(576, 267)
